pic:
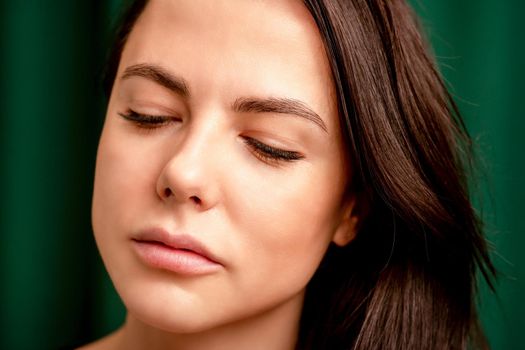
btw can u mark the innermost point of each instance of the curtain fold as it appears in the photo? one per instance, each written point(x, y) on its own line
point(54, 290)
point(481, 52)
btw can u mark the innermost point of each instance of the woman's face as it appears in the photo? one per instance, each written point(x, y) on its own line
point(228, 83)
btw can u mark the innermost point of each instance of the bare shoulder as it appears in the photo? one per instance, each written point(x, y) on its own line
point(108, 342)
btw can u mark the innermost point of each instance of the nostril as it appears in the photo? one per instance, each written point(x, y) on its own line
point(196, 199)
point(168, 193)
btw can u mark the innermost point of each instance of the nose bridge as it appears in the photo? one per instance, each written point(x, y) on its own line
point(191, 148)
point(196, 148)
point(190, 173)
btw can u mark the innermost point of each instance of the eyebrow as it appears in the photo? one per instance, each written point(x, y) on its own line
point(280, 105)
point(158, 75)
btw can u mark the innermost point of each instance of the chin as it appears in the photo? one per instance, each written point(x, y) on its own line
point(178, 324)
point(174, 312)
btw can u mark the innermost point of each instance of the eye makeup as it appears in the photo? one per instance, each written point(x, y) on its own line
point(145, 121)
point(271, 154)
point(268, 154)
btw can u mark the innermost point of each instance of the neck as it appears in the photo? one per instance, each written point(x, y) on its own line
point(274, 329)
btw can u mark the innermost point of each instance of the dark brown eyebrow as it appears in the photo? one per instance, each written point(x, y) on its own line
point(243, 104)
point(160, 76)
point(278, 105)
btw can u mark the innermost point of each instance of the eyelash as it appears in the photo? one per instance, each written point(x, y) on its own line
point(145, 121)
point(270, 154)
point(261, 150)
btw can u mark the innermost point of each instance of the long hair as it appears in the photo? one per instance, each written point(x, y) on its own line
point(408, 280)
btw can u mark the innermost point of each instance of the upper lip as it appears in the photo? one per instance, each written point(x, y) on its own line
point(176, 241)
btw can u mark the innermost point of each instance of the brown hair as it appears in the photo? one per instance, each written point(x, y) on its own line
point(408, 281)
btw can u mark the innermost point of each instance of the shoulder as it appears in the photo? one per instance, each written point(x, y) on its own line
point(108, 342)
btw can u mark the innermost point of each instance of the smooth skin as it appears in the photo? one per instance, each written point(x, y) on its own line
point(269, 221)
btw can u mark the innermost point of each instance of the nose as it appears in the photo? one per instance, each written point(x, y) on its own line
point(189, 176)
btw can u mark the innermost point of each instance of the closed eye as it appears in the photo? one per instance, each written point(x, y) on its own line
point(262, 151)
point(270, 154)
point(145, 121)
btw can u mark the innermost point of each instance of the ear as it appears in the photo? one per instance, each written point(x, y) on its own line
point(347, 228)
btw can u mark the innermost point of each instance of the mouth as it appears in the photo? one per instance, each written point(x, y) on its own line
point(181, 253)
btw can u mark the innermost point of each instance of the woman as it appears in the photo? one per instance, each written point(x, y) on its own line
point(284, 174)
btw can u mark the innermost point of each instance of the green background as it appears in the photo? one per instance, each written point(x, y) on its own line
point(54, 290)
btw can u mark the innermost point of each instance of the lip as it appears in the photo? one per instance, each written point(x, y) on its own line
point(179, 253)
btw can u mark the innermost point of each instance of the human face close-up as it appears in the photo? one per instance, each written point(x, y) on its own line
point(242, 167)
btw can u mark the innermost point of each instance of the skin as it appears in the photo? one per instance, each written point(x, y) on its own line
point(269, 222)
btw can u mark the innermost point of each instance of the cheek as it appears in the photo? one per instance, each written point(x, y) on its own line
point(286, 231)
point(123, 182)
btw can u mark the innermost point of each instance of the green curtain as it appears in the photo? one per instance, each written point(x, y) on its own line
point(481, 52)
point(54, 290)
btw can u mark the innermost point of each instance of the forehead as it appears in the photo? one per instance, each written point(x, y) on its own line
point(229, 48)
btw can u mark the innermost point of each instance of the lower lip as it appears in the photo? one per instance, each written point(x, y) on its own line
point(180, 261)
